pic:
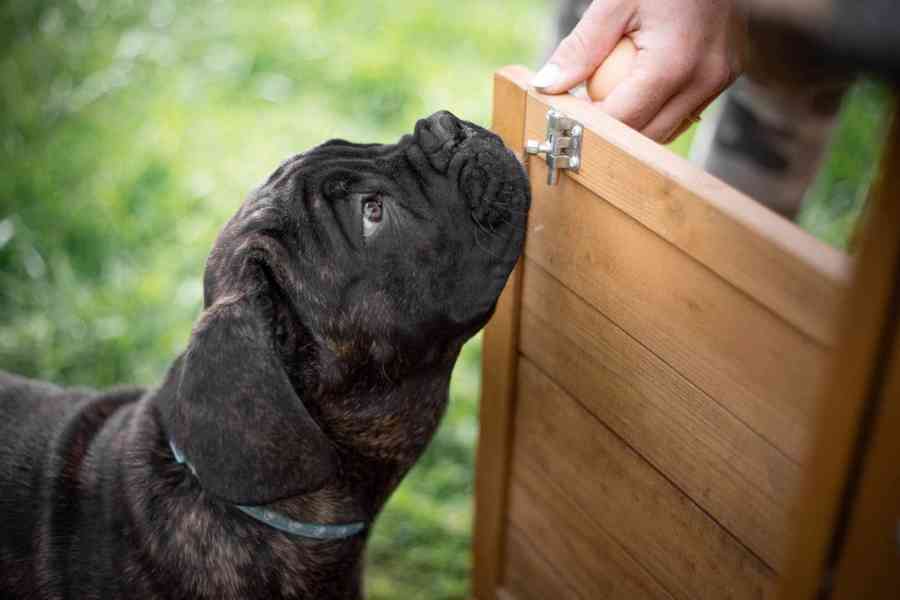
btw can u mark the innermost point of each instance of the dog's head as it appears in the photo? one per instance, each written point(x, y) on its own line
point(354, 268)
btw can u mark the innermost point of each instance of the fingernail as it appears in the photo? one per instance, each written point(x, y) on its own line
point(547, 76)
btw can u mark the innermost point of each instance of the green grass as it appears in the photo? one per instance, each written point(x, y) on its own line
point(130, 131)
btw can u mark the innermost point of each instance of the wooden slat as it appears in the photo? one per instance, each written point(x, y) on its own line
point(577, 551)
point(528, 575)
point(850, 386)
point(733, 473)
point(499, 356)
point(762, 254)
point(733, 348)
point(669, 535)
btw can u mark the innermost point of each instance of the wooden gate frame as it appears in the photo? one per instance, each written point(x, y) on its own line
point(794, 276)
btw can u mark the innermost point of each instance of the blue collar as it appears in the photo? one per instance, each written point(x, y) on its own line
point(281, 522)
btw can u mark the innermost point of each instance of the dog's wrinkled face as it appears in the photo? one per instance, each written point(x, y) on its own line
point(353, 267)
point(397, 245)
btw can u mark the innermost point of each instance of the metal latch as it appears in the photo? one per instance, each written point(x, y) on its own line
point(562, 148)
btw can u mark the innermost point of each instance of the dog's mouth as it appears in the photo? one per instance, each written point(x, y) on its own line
point(492, 201)
point(490, 178)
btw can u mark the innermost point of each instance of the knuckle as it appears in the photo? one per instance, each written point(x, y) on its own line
point(719, 73)
point(674, 71)
point(673, 75)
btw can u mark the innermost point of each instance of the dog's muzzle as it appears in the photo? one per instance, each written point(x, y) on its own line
point(490, 173)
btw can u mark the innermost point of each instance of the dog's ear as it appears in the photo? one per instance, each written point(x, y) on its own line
point(236, 417)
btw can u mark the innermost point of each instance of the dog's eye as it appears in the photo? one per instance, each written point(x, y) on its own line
point(372, 210)
point(373, 213)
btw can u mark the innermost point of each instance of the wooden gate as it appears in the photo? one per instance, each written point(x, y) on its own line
point(655, 378)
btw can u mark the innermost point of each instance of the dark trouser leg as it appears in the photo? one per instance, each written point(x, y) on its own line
point(567, 16)
point(768, 141)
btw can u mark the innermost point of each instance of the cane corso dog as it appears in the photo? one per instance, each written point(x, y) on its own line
point(335, 303)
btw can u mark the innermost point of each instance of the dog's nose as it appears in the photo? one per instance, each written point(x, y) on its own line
point(438, 129)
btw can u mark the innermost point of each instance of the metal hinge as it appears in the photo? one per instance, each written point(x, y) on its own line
point(562, 148)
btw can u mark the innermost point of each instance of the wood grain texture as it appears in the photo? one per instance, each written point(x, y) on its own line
point(850, 385)
point(682, 548)
point(579, 554)
point(760, 253)
point(499, 356)
point(738, 477)
point(734, 349)
point(529, 576)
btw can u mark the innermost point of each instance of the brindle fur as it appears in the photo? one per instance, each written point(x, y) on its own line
point(313, 380)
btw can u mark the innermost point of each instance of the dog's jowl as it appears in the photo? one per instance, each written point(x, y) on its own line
point(335, 301)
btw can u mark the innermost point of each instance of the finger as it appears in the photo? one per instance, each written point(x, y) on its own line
point(637, 100)
point(582, 51)
point(677, 115)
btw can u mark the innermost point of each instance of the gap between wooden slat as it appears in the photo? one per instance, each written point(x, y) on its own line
point(625, 572)
point(520, 543)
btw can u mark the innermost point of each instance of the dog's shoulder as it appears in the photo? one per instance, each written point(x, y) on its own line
point(46, 430)
point(23, 397)
point(34, 412)
point(14, 387)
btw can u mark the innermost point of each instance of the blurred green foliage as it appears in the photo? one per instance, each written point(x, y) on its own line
point(131, 130)
point(836, 199)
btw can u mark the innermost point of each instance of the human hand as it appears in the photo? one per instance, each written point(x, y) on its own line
point(688, 52)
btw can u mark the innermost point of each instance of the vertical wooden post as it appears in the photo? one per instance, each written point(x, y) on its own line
point(828, 511)
point(499, 371)
point(866, 562)
point(867, 567)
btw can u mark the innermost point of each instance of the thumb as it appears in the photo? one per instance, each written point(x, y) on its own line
point(583, 50)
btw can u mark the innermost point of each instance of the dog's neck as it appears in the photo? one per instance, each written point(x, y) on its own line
point(368, 475)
